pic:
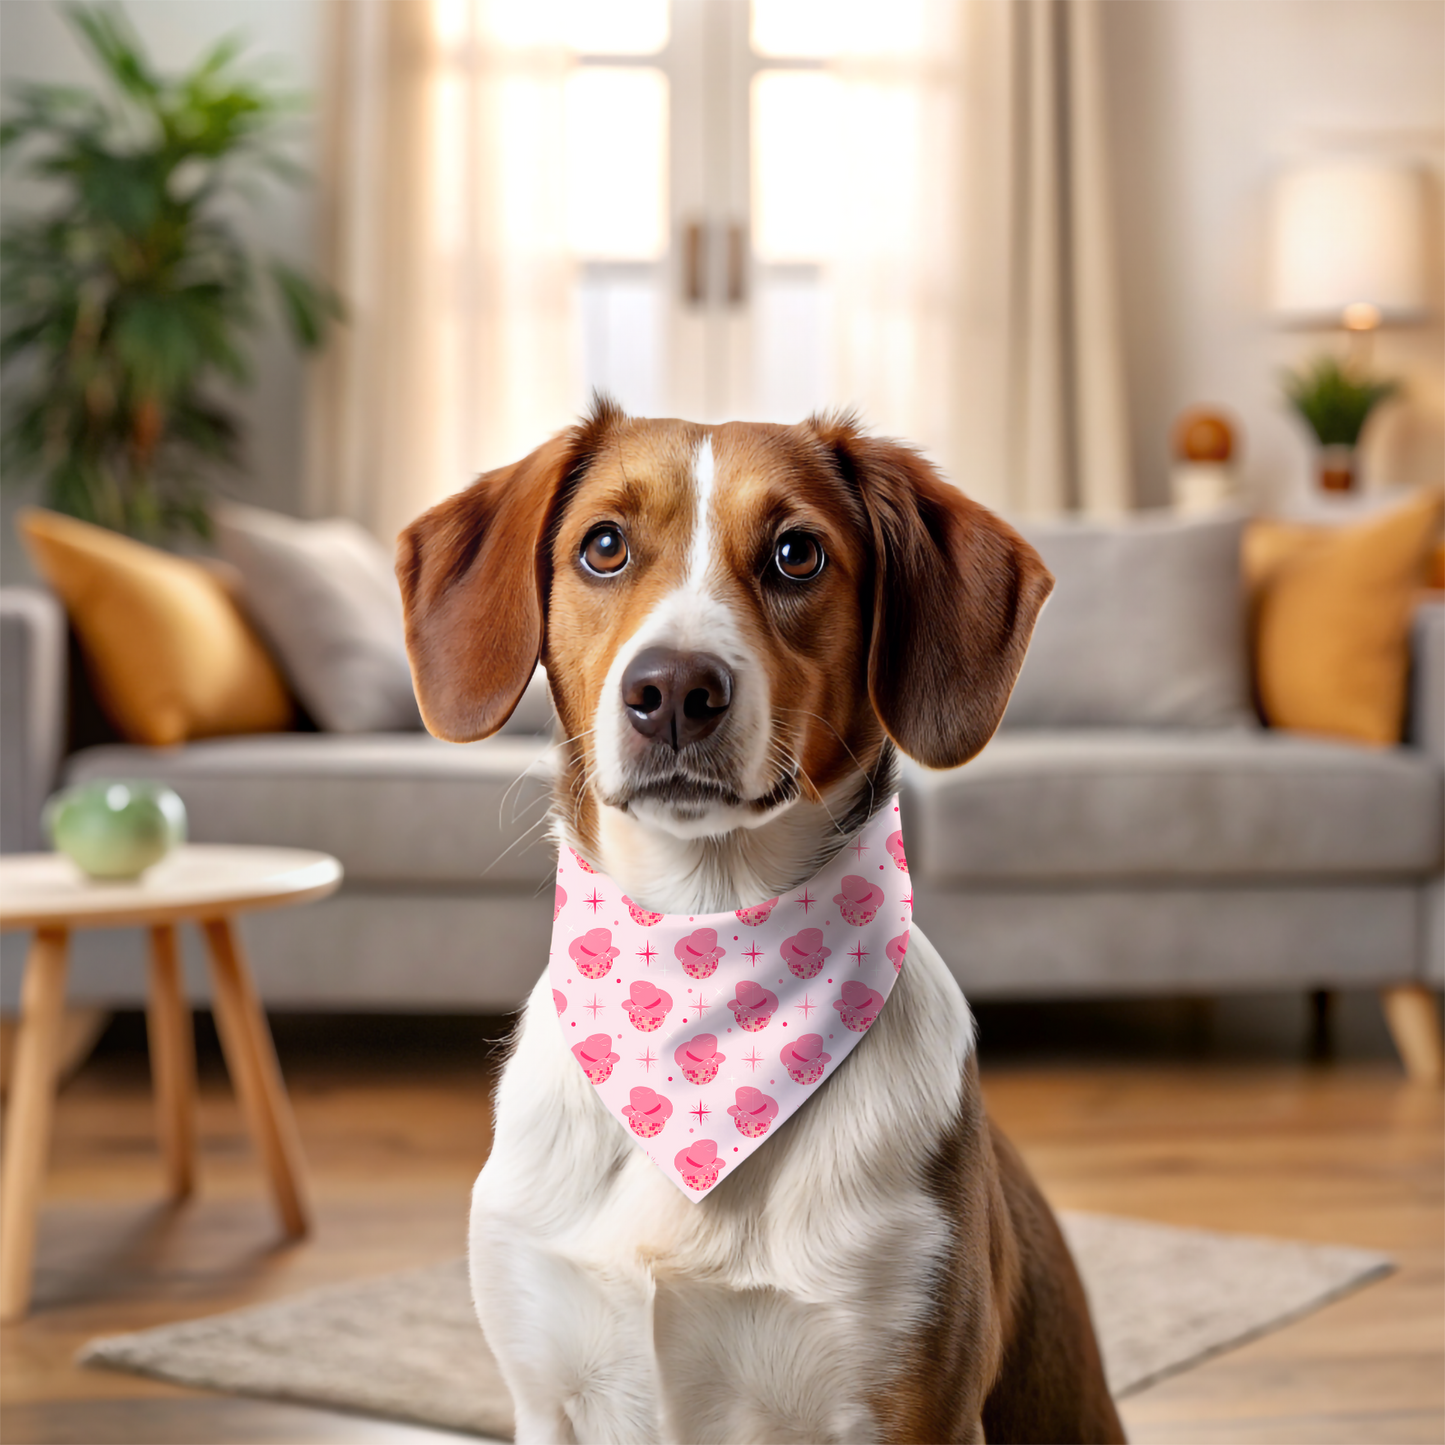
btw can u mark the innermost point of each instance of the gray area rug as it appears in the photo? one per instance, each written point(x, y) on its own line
point(408, 1347)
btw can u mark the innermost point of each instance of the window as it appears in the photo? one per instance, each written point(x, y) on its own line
point(735, 191)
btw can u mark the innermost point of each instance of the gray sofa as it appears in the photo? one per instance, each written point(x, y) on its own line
point(1062, 861)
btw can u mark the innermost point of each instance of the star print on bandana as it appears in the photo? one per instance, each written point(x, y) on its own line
point(657, 1011)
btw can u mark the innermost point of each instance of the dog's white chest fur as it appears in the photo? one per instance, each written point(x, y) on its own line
point(772, 1310)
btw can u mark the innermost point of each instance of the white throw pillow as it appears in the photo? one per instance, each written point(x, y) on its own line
point(1146, 626)
point(324, 596)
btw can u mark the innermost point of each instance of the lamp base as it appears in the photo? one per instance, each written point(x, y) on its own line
point(1201, 487)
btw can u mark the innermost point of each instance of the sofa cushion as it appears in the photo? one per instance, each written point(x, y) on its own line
point(32, 711)
point(1197, 937)
point(324, 596)
point(168, 651)
point(1427, 679)
point(395, 809)
point(1092, 805)
point(1332, 609)
point(1145, 627)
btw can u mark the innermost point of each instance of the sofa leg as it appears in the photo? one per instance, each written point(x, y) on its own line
point(1322, 1024)
point(1414, 1020)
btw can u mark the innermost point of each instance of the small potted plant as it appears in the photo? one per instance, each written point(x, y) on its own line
point(133, 293)
point(1335, 405)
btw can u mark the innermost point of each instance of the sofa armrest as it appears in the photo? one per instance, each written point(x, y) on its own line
point(1425, 727)
point(32, 711)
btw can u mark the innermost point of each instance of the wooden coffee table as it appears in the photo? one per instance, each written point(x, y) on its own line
point(209, 885)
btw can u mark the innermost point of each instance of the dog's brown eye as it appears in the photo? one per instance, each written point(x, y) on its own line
point(605, 551)
point(798, 556)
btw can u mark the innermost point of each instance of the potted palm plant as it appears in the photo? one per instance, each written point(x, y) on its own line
point(1335, 405)
point(130, 300)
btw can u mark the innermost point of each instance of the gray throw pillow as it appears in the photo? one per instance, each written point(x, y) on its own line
point(1145, 627)
point(324, 597)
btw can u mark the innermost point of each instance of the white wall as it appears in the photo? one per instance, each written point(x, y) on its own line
point(36, 44)
point(1208, 99)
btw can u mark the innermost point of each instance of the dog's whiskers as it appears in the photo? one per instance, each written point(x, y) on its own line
point(576, 737)
point(866, 774)
point(518, 841)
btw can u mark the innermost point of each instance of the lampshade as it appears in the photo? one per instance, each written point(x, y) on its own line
point(1348, 243)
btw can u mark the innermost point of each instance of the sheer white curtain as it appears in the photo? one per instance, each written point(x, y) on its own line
point(445, 211)
point(969, 267)
point(893, 264)
point(973, 289)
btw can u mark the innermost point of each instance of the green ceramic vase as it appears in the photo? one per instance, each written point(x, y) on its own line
point(116, 828)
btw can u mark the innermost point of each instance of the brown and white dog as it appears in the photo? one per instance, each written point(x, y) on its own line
point(740, 624)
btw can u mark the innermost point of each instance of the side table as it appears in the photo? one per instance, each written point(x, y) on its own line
point(208, 884)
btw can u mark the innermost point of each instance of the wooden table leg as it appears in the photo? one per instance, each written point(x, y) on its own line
point(32, 1097)
point(173, 1061)
point(1413, 1015)
point(251, 1058)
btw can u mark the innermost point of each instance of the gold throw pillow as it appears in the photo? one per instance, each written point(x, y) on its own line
point(169, 654)
point(1331, 615)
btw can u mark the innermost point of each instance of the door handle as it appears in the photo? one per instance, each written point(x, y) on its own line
point(695, 259)
point(737, 264)
point(694, 263)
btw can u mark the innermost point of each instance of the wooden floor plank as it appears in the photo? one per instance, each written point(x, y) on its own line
point(394, 1136)
point(1346, 1155)
point(200, 1418)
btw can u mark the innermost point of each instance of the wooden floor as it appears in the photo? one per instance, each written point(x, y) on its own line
point(395, 1124)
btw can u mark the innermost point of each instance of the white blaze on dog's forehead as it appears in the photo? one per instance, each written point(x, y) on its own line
point(704, 481)
point(696, 615)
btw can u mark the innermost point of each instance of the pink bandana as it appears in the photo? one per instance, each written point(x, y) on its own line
point(703, 1034)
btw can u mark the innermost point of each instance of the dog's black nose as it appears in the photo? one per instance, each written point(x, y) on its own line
point(676, 697)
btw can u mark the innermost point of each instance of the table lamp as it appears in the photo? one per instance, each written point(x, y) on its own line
point(1348, 251)
point(1348, 248)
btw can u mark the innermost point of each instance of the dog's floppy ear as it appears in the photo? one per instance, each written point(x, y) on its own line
point(956, 593)
point(471, 588)
point(474, 578)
